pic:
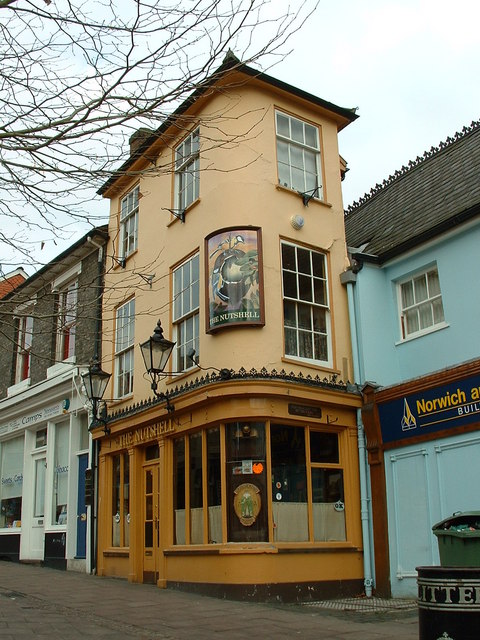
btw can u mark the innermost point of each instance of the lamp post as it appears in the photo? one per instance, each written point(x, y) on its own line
point(95, 381)
point(156, 352)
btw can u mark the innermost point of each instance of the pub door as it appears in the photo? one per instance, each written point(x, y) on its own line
point(151, 524)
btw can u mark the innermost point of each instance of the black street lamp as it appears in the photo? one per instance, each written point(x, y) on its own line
point(96, 381)
point(156, 352)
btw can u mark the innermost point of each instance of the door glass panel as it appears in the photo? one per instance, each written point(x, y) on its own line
point(39, 488)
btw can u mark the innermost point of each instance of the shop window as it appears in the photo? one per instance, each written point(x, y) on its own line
point(421, 307)
point(298, 155)
point(246, 482)
point(179, 490)
point(186, 300)
point(124, 337)
point(306, 503)
point(60, 482)
point(306, 313)
point(289, 484)
point(41, 438)
point(129, 223)
point(196, 488)
point(67, 321)
point(214, 486)
point(24, 346)
point(327, 487)
point(121, 500)
point(11, 484)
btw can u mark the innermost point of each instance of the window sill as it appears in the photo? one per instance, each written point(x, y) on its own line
point(18, 388)
point(120, 262)
point(61, 367)
point(239, 548)
point(421, 334)
point(324, 203)
point(311, 363)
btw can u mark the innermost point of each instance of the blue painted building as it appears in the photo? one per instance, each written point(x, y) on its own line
point(414, 300)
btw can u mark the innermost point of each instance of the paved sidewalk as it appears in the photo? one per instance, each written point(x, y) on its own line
point(45, 603)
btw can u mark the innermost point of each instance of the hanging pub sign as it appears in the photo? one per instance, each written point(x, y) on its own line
point(235, 278)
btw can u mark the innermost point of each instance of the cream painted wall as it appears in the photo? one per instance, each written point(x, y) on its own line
point(238, 186)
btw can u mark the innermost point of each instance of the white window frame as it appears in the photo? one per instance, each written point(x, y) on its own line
point(129, 222)
point(67, 321)
point(298, 155)
point(187, 168)
point(186, 310)
point(433, 299)
point(124, 348)
point(316, 311)
point(24, 347)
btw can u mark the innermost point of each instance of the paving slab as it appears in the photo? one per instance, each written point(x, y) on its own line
point(38, 602)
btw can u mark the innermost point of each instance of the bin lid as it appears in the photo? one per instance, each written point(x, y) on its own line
point(459, 517)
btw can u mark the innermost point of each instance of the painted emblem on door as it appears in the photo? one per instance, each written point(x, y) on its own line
point(247, 503)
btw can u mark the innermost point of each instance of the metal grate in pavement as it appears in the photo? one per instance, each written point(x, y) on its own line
point(365, 605)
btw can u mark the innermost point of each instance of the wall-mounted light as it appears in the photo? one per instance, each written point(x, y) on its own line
point(95, 381)
point(156, 352)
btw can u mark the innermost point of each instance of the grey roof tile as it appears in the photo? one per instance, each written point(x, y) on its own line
point(436, 191)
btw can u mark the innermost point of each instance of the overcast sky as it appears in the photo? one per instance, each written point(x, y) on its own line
point(412, 67)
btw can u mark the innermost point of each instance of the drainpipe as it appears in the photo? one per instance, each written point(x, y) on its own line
point(349, 278)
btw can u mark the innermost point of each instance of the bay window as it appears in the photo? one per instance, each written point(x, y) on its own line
point(124, 337)
point(301, 501)
point(186, 301)
point(298, 155)
point(129, 223)
point(306, 313)
point(187, 166)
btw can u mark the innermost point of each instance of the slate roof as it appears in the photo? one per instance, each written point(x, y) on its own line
point(434, 193)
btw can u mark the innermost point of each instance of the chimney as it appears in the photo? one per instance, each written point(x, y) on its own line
point(138, 138)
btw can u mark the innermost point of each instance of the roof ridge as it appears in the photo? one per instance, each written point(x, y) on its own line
point(400, 173)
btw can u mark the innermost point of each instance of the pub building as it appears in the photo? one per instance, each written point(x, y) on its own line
point(229, 465)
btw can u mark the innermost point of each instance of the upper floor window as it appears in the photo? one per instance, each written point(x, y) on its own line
point(24, 346)
point(298, 155)
point(186, 311)
point(187, 165)
point(421, 303)
point(67, 320)
point(124, 337)
point(129, 223)
point(306, 313)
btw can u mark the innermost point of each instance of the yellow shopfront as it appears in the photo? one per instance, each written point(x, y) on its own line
point(248, 489)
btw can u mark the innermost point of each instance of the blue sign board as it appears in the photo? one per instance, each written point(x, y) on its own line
point(445, 407)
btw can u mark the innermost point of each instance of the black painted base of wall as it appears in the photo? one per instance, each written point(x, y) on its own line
point(54, 555)
point(281, 593)
point(10, 547)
